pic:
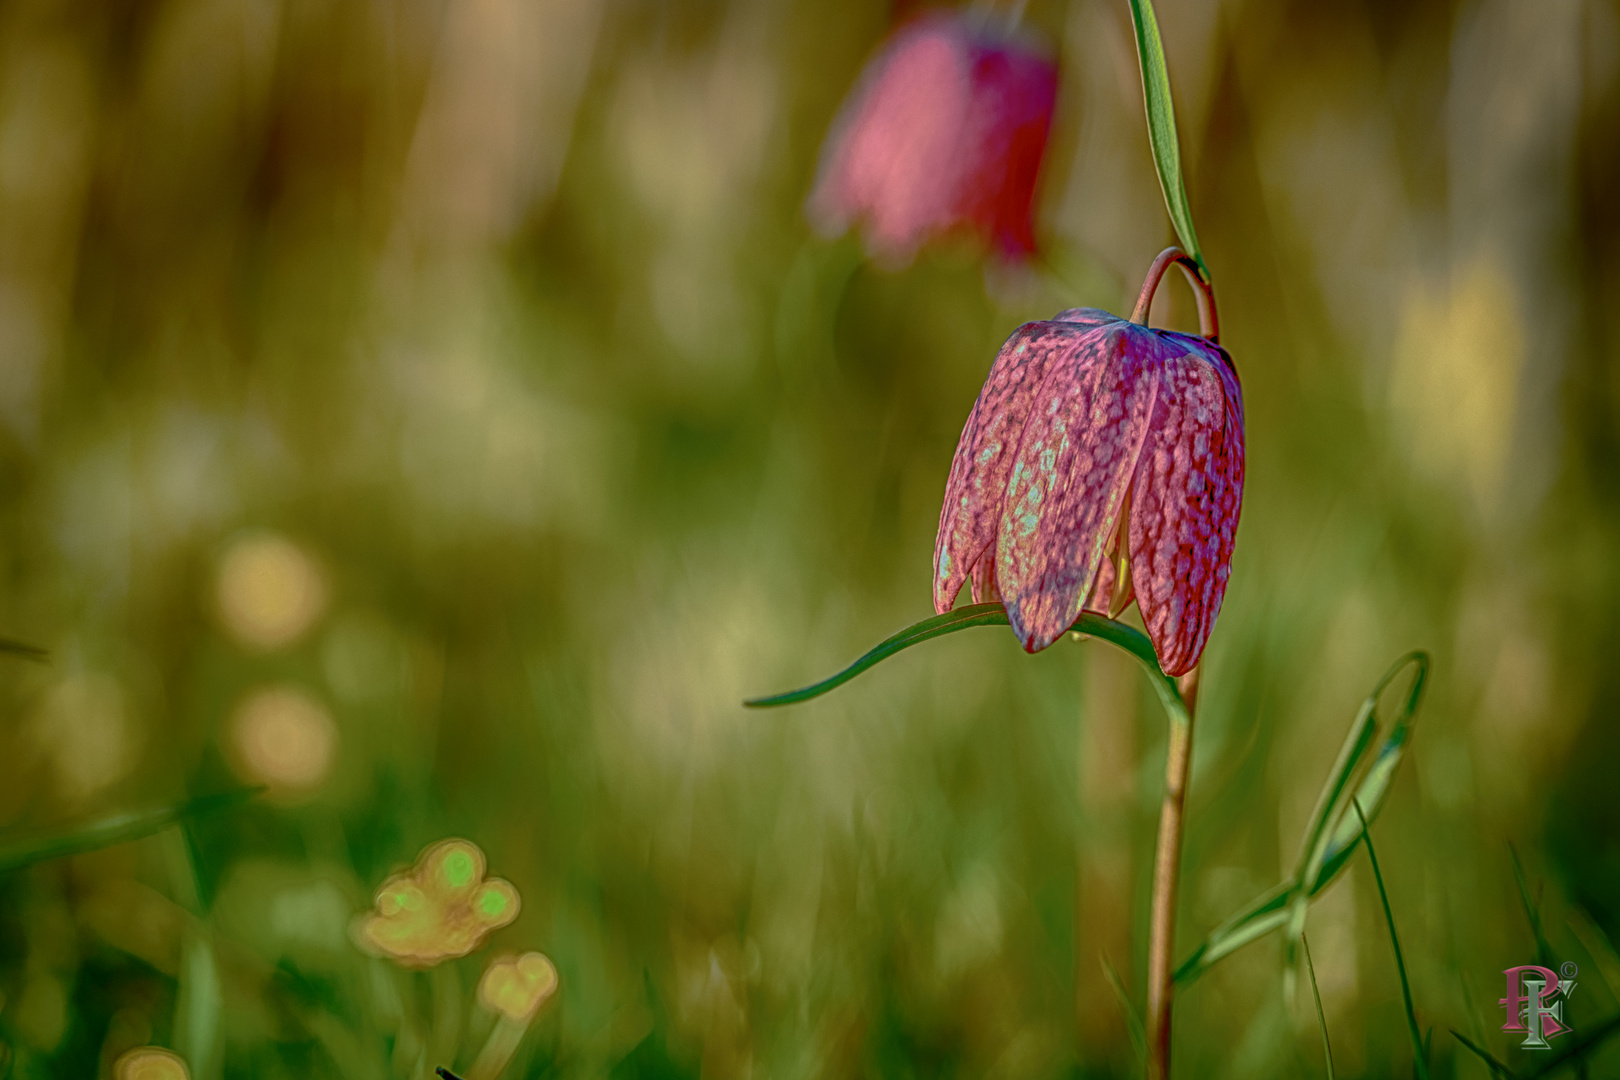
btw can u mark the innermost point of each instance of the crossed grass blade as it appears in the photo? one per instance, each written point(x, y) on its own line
point(17, 854)
point(1420, 1055)
point(1532, 914)
point(1321, 1017)
point(1498, 1070)
point(1374, 786)
point(1575, 1054)
point(1335, 832)
point(1133, 1021)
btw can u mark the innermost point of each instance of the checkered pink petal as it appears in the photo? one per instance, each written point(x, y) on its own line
point(1186, 501)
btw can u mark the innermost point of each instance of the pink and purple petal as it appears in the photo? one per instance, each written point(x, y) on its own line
point(894, 156)
point(1004, 139)
point(1086, 430)
point(1186, 500)
point(971, 512)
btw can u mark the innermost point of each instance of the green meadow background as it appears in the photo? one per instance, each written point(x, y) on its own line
point(461, 378)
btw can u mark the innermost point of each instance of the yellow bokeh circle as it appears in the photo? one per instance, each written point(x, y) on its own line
point(150, 1063)
point(283, 737)
point(270, 591)
point(516, 986)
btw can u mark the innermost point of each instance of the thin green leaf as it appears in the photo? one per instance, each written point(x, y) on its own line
point(1089, 623)
point(1420, 1059)
point(1597, 945)
point(1577, 1051)
point(1374, 786)
point(1531, 914)
point(116, 829)
point(23, 650)
point(1321, 1017)
point(1133, 1022)
point(1497, 1068)
point(1263, 915)
point(1161, 120)
point(1356, 743)
point(1283, 904)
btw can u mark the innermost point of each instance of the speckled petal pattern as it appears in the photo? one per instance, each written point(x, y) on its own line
point(971, 512)
point(1186, 501)
point(1085, 430)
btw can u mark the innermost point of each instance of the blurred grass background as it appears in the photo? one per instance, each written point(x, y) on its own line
point(442, 412)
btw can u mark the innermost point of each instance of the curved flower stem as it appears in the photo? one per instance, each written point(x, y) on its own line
point(1208, 322)
point(1166, 872)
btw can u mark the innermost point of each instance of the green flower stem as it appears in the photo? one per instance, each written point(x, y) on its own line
point(1166, 875)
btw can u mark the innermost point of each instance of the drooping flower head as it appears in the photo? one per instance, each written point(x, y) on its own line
point(945, 131)
point(442, 908)
point(1102, 462)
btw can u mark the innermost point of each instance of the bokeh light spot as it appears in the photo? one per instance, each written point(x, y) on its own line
point(516, 986)
point(440, 909)
point(150, 1063)
point(283, 737)
point(270, 591)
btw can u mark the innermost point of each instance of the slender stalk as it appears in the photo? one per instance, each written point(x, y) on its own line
point(1166, 872)
point(1208, 321)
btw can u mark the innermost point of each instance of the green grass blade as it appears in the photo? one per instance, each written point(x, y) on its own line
point(1419, 1058)
point(1356, 743)
point(1375, 785)
point(1531, 913)
point(23, 650)
point(1262, 916)
point(1576, 1052)
point(1598, 947)
point(1133, 1022)
point(1497, 1068)
point(1089, 623)
point(116, 829)
point(1161, 120)
point(1321, 1017)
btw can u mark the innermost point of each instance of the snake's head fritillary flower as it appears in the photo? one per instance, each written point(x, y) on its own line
point(945, 131)
point(1102, 462)
point(441, 908)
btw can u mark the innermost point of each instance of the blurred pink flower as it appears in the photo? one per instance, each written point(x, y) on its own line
point(945, 131)
point(1098, 450)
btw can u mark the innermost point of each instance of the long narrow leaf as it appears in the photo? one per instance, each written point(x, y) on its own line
point(937, 626)
point(1279, 906)
point(1321, 1017)
point(1374, 787)
point(1419, 1056)
point(1263, 915)
point(1133, 1022)
point(1089, 623)
point(1496, 1067)
point(1356, 743)
point(1161, 120)
point(1588, 1041)
point(23, 650)
point(1531, 913)
point(116, 829)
